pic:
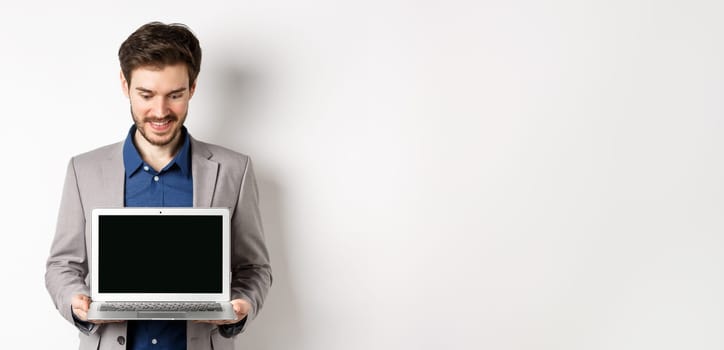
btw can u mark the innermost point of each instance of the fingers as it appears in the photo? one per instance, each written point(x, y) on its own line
point(81, 301)
point(217, 322)
point(237, 309)
point(106, 321)
point(241, 309)
point(81, 314)
point(80, 304)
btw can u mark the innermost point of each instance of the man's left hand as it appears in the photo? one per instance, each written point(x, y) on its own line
point(241, 309)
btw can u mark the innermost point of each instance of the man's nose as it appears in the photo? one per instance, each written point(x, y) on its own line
point(160, 108)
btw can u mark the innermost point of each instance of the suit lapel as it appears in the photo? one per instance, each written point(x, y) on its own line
point(114, 178)
point(204, 172)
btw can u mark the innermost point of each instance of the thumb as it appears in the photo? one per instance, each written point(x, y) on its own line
point(81, 302)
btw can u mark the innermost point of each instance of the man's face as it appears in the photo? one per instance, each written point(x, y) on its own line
point(159, 101)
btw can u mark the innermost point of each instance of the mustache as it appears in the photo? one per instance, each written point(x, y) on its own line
point(168, 117)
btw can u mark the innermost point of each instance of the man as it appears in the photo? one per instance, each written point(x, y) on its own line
point(158, 164)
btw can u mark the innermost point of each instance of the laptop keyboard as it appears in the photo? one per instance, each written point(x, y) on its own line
point(166, 306)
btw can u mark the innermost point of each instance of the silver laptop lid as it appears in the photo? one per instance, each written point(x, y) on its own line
point(160, 254)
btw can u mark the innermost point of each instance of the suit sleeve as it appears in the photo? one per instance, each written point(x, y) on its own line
point(67, 264)
point(251, 270)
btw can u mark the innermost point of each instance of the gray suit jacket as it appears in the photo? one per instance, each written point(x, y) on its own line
point(221, 178)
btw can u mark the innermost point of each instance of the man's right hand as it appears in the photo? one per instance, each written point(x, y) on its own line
point(80, 304)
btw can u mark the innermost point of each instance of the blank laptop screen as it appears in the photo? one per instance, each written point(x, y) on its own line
point(160, 254)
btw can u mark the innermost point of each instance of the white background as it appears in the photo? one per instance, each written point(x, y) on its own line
point(433, 174)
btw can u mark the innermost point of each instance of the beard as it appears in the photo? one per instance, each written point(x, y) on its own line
point(142, 125)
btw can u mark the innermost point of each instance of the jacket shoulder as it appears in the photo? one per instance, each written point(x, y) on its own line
point(99, 154)
point(218, 153)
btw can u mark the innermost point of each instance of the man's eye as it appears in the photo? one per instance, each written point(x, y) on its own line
point(176, 96)
point(146, 97)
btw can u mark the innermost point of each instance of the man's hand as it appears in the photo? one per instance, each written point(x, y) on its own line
point(241, 309)
point(80, 304)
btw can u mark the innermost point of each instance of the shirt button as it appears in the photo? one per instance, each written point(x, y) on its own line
point(155, 178)
point(154, 341)
point(145, 167)
point(121, 340)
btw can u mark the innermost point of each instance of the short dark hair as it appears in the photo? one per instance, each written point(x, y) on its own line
point(158, 45)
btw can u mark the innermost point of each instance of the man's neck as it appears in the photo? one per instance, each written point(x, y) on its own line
point(156, 156)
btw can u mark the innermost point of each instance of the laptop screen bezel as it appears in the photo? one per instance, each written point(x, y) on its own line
point(96, 295)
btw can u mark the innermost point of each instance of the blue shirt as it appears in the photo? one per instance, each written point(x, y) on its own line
point(145, 187)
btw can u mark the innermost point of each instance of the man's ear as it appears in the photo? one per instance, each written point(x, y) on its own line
point(192, 89)
point(124, 85)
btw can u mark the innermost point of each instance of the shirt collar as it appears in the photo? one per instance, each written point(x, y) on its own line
point(132, 159)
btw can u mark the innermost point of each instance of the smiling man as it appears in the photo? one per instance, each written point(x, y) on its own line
point(159, 164)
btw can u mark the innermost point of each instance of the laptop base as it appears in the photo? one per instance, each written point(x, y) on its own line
point(94, 313)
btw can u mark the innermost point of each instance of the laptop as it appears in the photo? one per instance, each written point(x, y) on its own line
point(160, 264)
